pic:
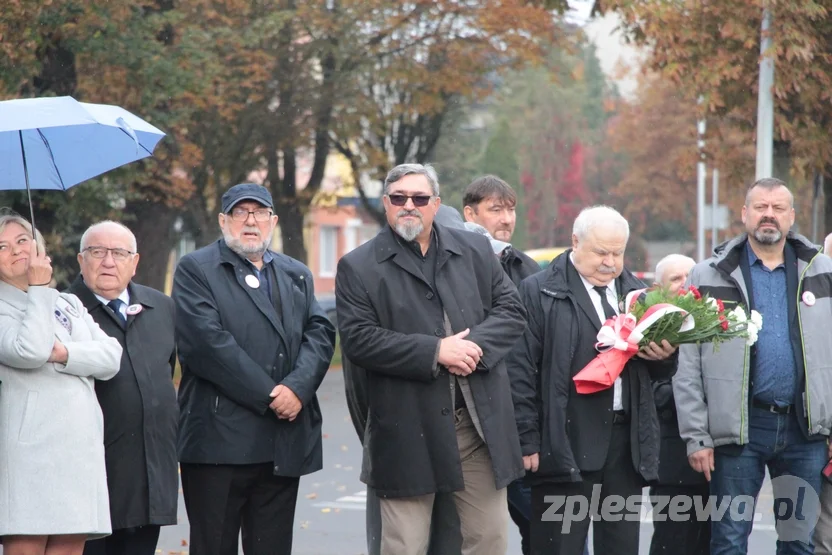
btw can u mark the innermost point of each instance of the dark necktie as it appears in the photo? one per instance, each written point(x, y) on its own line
point(115, 304)
point(609, 312)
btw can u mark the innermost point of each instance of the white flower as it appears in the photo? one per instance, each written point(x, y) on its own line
point(738, 315)
point(757, 319)
point(712, 303)
point(752, 334)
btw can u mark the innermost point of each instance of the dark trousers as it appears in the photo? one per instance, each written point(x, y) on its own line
point(140, 540)
point(222, 500)
point(616, 526)
point(680, 537)
point(519, 509)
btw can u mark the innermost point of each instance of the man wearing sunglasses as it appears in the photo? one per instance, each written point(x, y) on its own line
point(254, 345)
point(429, 313)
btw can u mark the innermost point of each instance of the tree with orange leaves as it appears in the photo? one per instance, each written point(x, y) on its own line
point(713, 49)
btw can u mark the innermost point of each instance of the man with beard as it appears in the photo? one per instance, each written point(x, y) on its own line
point(744, 410)
point(429, 313)
point(583, 447)
point(254, 346)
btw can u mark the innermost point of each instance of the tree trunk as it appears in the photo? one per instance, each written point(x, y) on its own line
point(152, 223)
point(291, 220)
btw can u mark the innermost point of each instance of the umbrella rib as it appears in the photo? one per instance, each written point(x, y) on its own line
point(52, 158)
point(137, 141)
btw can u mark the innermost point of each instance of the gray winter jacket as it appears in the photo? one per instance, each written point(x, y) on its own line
point(711, 386)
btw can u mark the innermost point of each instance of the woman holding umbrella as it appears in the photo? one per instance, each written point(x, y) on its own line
point(53, 487)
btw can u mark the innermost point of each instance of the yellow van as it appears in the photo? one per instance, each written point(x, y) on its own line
point(545, 256)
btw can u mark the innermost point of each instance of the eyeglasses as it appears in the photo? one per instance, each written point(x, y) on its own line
point(119, 255)
point(260, 215)
point(398, 199)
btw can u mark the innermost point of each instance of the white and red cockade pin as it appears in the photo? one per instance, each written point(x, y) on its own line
point(252, 281)
point(134, 309)
point(808, 298)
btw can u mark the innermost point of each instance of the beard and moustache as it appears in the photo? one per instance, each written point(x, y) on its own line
point(409, 230)
point(243, 250)
point(768, 236)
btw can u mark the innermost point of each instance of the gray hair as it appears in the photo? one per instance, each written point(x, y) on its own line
point(598, 216)
point(413, 169)
point(669, 260)
point(7, 219)
point(95, 227)
point(769, 184)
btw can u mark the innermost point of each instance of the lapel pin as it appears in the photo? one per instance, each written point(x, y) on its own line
point(808, 298)
point(63, 320)
point(252, 281)
point(134, 309)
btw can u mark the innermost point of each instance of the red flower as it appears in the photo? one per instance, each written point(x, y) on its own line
point(720, 306)
point(723, 322)
point(696, 294)
point(682, 291)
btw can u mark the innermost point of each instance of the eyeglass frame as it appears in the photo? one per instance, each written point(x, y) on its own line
point(411, 198)
point(111, 252)
point(241, 209)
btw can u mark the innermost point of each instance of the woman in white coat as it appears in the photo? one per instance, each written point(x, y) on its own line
point(53, 483)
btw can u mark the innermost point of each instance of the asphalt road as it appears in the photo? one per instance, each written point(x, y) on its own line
point(329, 518)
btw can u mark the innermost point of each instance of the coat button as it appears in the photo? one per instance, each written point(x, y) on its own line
point(438, 332)
point(280, 355)
point(429, 296)
point(446, 411)
point(276, 469)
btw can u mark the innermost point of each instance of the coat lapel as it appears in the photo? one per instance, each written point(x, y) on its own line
point(388, 246)
point(259, 298)
point(137, 297)
point(576, 285)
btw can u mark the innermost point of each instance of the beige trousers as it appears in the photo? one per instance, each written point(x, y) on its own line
point(483, 509)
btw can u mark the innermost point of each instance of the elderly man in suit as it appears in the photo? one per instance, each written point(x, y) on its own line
point(575, 443)
point(139, 403)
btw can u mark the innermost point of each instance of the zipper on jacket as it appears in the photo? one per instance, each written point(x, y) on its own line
point(745, 362)
point(803, 345)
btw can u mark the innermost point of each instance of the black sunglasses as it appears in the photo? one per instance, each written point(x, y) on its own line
point(397, 199)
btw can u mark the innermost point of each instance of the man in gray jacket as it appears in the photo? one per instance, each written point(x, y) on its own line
point(744, 409)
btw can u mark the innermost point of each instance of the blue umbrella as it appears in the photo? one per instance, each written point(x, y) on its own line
point(56, 143)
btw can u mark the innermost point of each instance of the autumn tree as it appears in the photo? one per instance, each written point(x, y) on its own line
point(712, 49)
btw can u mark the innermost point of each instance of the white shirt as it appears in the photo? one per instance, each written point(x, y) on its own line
point(125, 298)
point(612, 298)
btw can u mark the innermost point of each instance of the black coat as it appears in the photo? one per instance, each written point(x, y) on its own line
point(674, 468)
point(518, 265)
point(391, 322)
point(140, 409)
point(571, 431)
point(235, 347)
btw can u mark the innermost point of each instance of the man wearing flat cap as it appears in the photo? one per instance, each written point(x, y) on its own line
point(254, 346)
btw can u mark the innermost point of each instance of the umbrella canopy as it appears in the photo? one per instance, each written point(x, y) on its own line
point(56, 143)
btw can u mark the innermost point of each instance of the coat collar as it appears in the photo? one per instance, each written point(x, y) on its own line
point(388, 245)
point(138, 295)
point(727, 255)
point(14, 296)
point(266, 307)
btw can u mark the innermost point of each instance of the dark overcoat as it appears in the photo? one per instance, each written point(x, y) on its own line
point(391, 321)
point(140, 409)
point(235, 345)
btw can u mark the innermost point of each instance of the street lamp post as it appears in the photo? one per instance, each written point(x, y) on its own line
point(765, 102)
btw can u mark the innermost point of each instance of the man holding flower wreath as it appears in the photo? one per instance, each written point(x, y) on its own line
point(744, 408)
point(577, 445)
